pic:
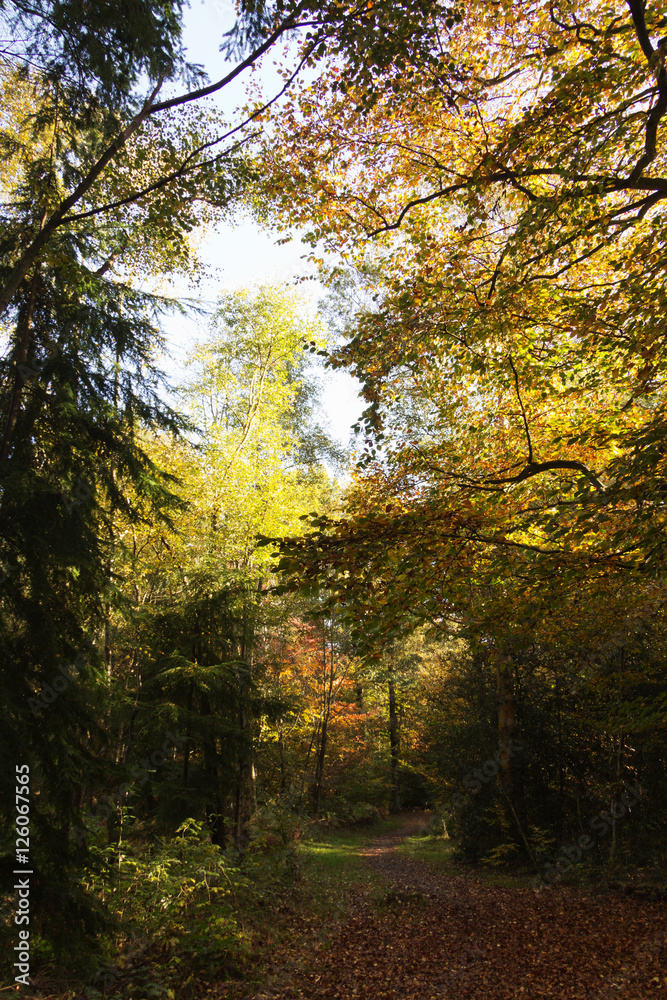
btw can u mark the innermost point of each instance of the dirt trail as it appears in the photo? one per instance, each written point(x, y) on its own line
point(410, 875)
point(448, 937)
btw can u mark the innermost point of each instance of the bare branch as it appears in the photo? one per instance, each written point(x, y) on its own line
point(523, 412)
point(537, 468)
point(637, 11)
point(290, 23)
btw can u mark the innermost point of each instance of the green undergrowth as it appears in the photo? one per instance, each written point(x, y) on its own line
point(441, 853)
point(192, 920)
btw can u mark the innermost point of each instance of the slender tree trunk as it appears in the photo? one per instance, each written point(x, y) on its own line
point(319, 769)
point(186, 752)
point(239, 805)
point(215, 810)
point(327, 702)
point(107, 637)
point(281, 752)
point(509, 765)
point(306, 765)
point(394, 742)
point(246, 786)
point(215, 816)
point(614, 831)
point(20, 358)
point(619, 760)
point(561, 774)
point(215, 820)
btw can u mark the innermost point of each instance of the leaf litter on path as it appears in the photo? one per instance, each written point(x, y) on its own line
point(442, 937)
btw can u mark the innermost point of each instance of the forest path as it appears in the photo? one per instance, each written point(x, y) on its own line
point(452, 938)
point(408, 874)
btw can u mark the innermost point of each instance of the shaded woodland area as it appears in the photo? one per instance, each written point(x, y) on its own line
point(224, 637)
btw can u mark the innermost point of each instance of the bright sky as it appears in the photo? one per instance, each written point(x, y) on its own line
point(243, 254)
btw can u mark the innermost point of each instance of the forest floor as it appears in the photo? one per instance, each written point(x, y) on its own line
point(405, 929)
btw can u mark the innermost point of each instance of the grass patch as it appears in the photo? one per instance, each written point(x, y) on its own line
point(440, 853)
point(335, 872)
point(436, 851)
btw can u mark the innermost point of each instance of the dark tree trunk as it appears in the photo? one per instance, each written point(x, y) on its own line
point(214, 810)
point(394, 743)
point(215, 820)
point(281, 752)
point(246, 791)
point(510, 763)
point(328, 677)
point(186, 752)
point(20, 357)
point(319, 769)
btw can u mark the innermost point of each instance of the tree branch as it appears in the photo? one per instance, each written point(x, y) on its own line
point(537, 468)
point(523, 412)
point(637, 11)
point(46, 232)
point(181, 171)
point(290, 23)
point(149, 108)
point(184, 169)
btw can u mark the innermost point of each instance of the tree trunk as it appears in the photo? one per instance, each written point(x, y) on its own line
point(20, 358)
point(561, 772)
point(245, 798)
point(614, 831)
point(186, 752)
point(215, 820)
point(509, 765)
point(394, 742)
point(328, 677)
point(281, 752)
point(319, 769)
point(619, 760)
